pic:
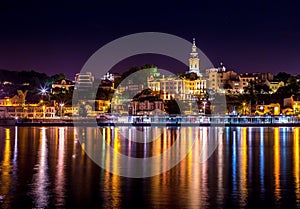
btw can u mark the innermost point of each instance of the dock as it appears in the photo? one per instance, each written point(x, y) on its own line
point(182, 120)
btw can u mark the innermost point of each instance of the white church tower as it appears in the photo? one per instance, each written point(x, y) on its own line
point(194, 60)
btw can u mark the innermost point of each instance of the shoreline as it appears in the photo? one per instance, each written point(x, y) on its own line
point(244, 121)
point(91, 124)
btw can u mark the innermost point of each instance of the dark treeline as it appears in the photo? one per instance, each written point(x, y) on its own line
point(32, 81)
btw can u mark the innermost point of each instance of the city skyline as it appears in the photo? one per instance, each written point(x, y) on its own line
point(248, 37)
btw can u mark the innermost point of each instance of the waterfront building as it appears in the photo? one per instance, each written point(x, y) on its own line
point(214, 79)
point(84, 83)
point(172, 87)
point(84, 80)
point(6, 101)
point(293, 102)
point(270, 109)
point(16, 100)
point(223, 81)
point(169, 87)
point(107, 81)
point(188, 87)
point(146, 105)
point(233, 86)
point(246, 78)
point(194, 62)
point(265, 76)
point(275, 85)
point(103, 106)
point(231, 81)
point(108, 76)
point(30, 111)
point(106, 84)
point(62, 86)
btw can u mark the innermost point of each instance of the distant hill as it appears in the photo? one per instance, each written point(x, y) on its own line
point(11, 81)
point(32, 77)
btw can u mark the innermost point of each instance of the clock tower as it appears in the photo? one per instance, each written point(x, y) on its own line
point(194, 60)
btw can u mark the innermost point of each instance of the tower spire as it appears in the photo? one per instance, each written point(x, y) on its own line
point(194, 60)
point(194, 53)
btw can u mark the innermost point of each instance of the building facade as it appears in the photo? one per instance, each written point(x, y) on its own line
point(194, 62)
point(186, 88)
point(62, 86)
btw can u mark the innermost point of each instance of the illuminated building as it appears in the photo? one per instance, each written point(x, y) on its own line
point(173, 87)
point(107, 81)
point(61, 86)
point(292, 103)
point(170, 87)
point(247, 78)
point(84, 80)
point(146, 105)
point(16, 107)
point(214, 79)
point(223, 81)
point(271, 109)
point(194, 65)
point(275, 85)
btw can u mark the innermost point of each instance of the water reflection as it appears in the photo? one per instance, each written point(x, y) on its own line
point(243, 168)
point(277, 163)
point(127, 157)
point(60, 171)
point(262, 161)
point(296, 155)
point(234, 162)
point(6, 169)
point(250, 167)
point(41, 182)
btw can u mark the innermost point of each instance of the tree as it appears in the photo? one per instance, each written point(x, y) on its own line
point(172, 107)
point(282, 76)
point(262, 89)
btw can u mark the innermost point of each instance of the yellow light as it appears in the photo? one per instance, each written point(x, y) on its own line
point(5, 165)
point(277, 162)
point(296, 164)
point(243, 164)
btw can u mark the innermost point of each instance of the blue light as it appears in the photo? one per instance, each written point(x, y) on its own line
point(234, 162)
point(261, 161)
point(43, 90)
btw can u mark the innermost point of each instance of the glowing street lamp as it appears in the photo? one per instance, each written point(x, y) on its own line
point(44, 107)
point(61, 108)
point(43, 91)
point(244, 108)
point(204, 103)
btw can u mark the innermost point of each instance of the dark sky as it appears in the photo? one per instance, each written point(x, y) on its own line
point(60, 36)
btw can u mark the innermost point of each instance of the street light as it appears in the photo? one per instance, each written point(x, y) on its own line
point(44, 107)
point(244, 110)
point(204, 103)
point(61, 107)
point(43, 91)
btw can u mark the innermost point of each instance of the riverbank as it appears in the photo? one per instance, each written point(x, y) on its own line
point(185, 121)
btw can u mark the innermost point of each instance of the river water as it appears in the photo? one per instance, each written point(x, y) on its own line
point(240, 167)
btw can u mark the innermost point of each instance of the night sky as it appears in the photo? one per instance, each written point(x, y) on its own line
point(247, 36)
